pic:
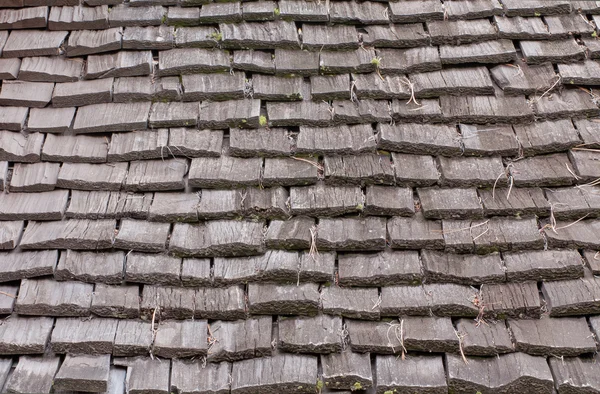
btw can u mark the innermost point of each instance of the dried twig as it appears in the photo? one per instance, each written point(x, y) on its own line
point(460, 337)
point(313, 252)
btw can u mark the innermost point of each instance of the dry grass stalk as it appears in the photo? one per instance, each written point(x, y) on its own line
point(460, 337)
point(399, 334)
point(8, 294)
point(411, 86)
point(313, 252)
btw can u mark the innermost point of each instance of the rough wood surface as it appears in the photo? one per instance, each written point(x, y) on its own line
point(240, 339)
point(283, 299)
point(178, 339)
point(415, 232)
point(573, 297)
point(220, 304)
point(486, 109)
point(511, 300)
point(73, 335)
point(82, 148)
point(323, 200)
point(275, 34)
point(147, 375)
point(262, 142)
point(523, 201)
point(547, 170)
point(255, 61)
point(121, 302)
point(47, 297)
point(192, 377)
point(69, 234)
point(407, 61)
point(472, 171)
point(421, 11)
point(351, 234)
point(33, 375)
point(347, 370)
point(460, 32)
point(9, 237)
point(25, 335)
point(101, 118)
point(456, 203)
point(559, 51)
point(273, 266)
point(546, 137)
point(415, 170)
point(544, 265)
point(22, 43)
point(88, 42)
point(35, 177)
point(50, 120)
point(575, 374)
point(351, 303)
point(20, 265)
point(499, 51)
point(68, 94)
point(83, 372)
point(465, 269)
point(281, 373)
point(531, 79)
point(132, 338)
point(381, 269)
point(485, 339)
point(121, 64)
point(50, 69)
point(421, 373)
point(319, 334)
point(158, 269)
point(512, 372)
point(290, 171)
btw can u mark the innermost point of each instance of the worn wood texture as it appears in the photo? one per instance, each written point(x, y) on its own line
point(515, 300)
point(484, 339)
point(148, 375)
point(575, 374)
point(465, 269)
point(351, 234)
point(498, 51)
point(421, 373)
point(120, 64)
point(83, 373)
point(121, 302)
point(217, 238)
point(171, 302)
point(49, 120)
point(273, 266)
point(275, 88)
point(415, 232)
point(101, 118)
point(421, 11)
point(406, 61)
point(47, 297)
point(486, 109)
point(142, 236)
point(319, 334)
point(543, 265)
point(240, 339)
point(559, 51)
point(281, 373)
point(283, 299)
point(193, 377)
point(548, 170)
point(473, 9)
point(445, 299)
point(519, 371)
point(220, 304)
point(88, 42)
point(178, 339)
point(561, 337)
point(155, 269)
point(34, 177)
point(82, 148)
point(429, 334)
point(360, 169)
point(33, 375)
point(276, 34)
point(460, 32)
point(69, 234)
point(103, 267)
point(351, 303)
point(94, 336)
point(347, 370)
point(573, 297)
point(25, 335)
point(381, 269)
point(262, 142)
point(522, 201)
point(456, 203)
point(23, 43)
point(324, 200)
point(255, 61)
point(132, 338)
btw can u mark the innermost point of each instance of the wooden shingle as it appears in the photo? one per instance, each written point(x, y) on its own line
point(351, 302)
point(293, 233)
point(412, 60)
point(524, 78)
point(460, 31)
point(524, 201)
point(358, 169)
point(351, 234)
point(415, 170)
point(575, 374)
point(111, 117)
point(347, 370)
point(83, 372)
point(22, 43)
point(175, 339)
point(415, 232)
point(69, 234)
point(25, 18)
point(519, 28)
point(439, 203)
point(195, 143)
point(20, 265)
point(574, 203)
point(262, 142)
point(290, 172)
point(13, 118)
point(50, 298)
point(33, 206)
point(263, 35)
point(17, 147)
point(50, 69)
point(543, 265)
point(485, 339)
point(26, 94)
point(120, 64)
point(35, 177)
point(419, 139)
point(116, 301)
point(323, 200)
point(472, 171)
point(317, 37)
point(520, 372)
point(95, 336)
point(420, 373)
point(241, 339)
point(49, 120)
point(299, 113)
point(192, 376)
point(132, 338)
point(33, 375)
point(25, 335)
point(473, 9)
point(85, 176)
point(499, 51)
point(232, 113)
point(319, 334)
point(267, 299)
point(516, 300)
point(466, 269)
point(189, 61)
point(153, 37)
point(389, 201)
point(224, 172)
point(536, 8)
point(155, 269)
point(582, 234)
point(156, 175)
point(486, 109)
point(293, 61)
point(403, 35)
point(275, 88)
point(559, 51)
point(546, 170)
point(221, 303)
point(147, 375)
point(342, 62)
point(216, 87)
point(254, 61)
point(9, 237)
point(573, 297)
point(420, 11)
point(89, 42)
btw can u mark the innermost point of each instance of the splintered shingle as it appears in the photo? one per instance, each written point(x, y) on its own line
point(351, 302)
point(132, 338)
point(415, 233)
point(589, 130)
point(142, 236)
point(25, 18)
point(51, 298)
point(296, 62)
point(173, 114)
point(241, 339)
point(575, 374)
point(175, 339)
point(138, 145)
point(120, 64)
point(88, 42)
point(232, 113)
point(293, 233)
point(547, 137)
point(342, 62)
point(368, 13)
point(395, 35)
point(282, 373)
point(259, 142)
point(573, 297)
point(522, 201)
point(389, 201)
point(222, 237)
point(381, 269)
point(276, 88)
point(352, 234)
point(189, 61)
point(585, 73)
point(347, 370)
point(317, 37)
point(519, 28)
point(33, 375)
point(22, 43)
point(111, 117)
point(419, 374)
point(220, 304)
point(445, 299)
point(552, 336)
point(359, 169)
point(20, 265)
point(574, 203)
point(513, 372)
point(548, 170)
point(68, 94)
point(439, 203)
point(372, 336)
point(25, 335)
point(472, 171)
point(416, 11)
point(419, 139)
point(174, 302)
point(116, 301)
point(125, 15)
point(85, 176)
point(83, 372)
point(26, 94)
point(413, 60)
point(193, 376)
point(487, 109)
point(543, 265)
point(195, 143)
point(330, 87)
point(13, 118)
point(500, 51)
point(319, 334)
point(462, 268)
point(225, 172)
point(299, 113)
point(460, 31)
point(9, 237)
point(105, 204)
point(323, 200)
point(180, 207)
point(157, 38)
point(78, 18)
point(586, 164)
point(266, 203)
point(559, 51)
point(271, 299)
point(516, 300)
point(18, 147)
point(68, 148)
point(50, 69)
point(90, 267)
point(69, 234)
point(484, 339)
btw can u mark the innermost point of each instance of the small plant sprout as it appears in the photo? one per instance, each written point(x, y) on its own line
point(262, 121)
point(376, 61)
point(217, 36)
point(357, 386)
point(276, 11)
